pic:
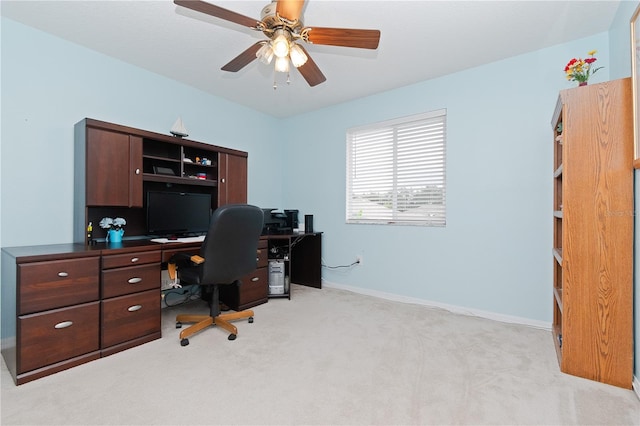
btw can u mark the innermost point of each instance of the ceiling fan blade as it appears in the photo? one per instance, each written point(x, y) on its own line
point(243, 59)
point(290, 9)
point(364, 39)
point(218, 12)
point(310, 71)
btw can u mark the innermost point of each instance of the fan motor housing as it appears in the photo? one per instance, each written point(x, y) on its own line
point(272, 21)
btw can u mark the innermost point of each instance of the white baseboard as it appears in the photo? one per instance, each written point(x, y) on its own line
point(636, 386)
point(451, 308)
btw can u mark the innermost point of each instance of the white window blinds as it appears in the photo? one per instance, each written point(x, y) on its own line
point(396, 171)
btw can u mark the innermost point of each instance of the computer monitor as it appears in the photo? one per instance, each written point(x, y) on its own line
point(175, 214)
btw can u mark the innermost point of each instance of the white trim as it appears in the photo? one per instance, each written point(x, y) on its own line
point(401, 120)
point(636, 386)
point(451, 308)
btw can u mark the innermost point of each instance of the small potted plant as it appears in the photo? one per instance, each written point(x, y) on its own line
point(114, 227)
point(578, 69)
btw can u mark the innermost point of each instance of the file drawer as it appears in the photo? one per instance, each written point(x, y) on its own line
point(57, 283)
point(57, 335)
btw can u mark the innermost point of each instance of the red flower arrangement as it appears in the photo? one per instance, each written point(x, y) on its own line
point(581, 69)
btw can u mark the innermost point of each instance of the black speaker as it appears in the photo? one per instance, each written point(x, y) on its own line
point(308, 223)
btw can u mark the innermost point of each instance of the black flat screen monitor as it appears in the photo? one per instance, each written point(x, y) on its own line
point(175, 214)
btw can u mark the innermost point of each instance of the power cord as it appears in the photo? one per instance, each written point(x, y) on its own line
point(357, 262)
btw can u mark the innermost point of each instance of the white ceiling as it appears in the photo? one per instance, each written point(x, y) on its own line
point(419, 40)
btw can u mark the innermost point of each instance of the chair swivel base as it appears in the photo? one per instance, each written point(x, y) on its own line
point(201, 322)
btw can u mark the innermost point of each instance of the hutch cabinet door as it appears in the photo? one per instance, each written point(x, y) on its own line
point(232, 179)
point(114, 169)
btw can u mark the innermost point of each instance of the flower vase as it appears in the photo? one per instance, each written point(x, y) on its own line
point(582, 83)
point(115, 235)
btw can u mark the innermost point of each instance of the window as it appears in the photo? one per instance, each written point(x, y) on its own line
point(396, 171)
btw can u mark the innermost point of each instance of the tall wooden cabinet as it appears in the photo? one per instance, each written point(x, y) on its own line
point(593, 232)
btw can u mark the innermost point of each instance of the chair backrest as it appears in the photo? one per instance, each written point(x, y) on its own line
point(231, 244)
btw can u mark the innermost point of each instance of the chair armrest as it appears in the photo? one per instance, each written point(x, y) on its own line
point(181, 259)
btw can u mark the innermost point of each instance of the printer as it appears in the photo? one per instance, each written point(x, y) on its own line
point(276, 223)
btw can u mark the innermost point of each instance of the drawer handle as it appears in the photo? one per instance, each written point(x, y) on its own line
point(254, 279)
point(63, 274)
point(135, 280)
point(134, 308)
point(134, 259)
point(63, 324)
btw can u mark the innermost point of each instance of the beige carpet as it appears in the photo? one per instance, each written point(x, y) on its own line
point(327, 357)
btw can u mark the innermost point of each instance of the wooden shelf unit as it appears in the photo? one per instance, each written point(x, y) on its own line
point(593, 232)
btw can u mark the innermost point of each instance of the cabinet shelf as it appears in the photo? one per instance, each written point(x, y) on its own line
point(166, 159)
point(205, 166)
point(557, 293)
point(150, 177)
point(558, 172)
point(557, 254)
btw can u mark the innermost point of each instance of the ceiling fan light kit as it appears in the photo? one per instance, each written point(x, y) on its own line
point(281, 21)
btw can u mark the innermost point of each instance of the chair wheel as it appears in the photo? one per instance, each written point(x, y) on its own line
point(178, 325)
point(184, 342)
point(250, 320)
point(232, 337)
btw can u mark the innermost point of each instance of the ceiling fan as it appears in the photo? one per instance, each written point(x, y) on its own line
point(281, 21)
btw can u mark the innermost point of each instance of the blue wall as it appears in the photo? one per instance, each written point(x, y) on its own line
point(493, 256)
point(495, 252)
point(49, 84)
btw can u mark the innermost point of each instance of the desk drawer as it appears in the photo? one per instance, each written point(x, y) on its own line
point(120, 281)
point(57, 283)
point(253, 291)
point(130, 259)
point(263, 253)
point(129, 317)
point(53, 336)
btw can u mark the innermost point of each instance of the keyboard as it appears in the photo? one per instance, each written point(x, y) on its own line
point(197, 239)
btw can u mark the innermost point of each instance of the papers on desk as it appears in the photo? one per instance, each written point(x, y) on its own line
point(198, 239)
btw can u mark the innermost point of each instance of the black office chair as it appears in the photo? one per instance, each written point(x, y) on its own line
point(228, 252)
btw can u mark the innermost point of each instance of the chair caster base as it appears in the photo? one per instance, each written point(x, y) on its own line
point(232, 337)
point(250, 320)
point(184, 342)
point(178, 325)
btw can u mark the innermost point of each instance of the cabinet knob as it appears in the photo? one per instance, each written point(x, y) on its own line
point(63, 274)
point(134, 308)
point(63, 324)
point(254, 279)
point(137, 171)
point(222, 180)
point(134, 280)
point(134, 259)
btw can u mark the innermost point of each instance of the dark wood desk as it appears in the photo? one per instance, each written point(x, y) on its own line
point(67, 304)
